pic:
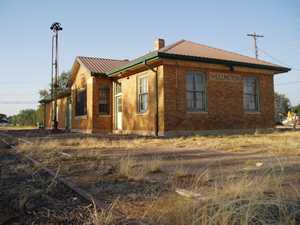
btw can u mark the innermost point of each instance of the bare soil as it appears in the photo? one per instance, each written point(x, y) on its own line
point(97, 170)
point(29, 195)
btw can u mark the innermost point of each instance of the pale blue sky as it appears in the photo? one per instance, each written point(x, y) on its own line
point(127, 29)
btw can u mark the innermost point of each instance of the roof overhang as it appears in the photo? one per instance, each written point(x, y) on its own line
point(45, 101)
point(223, 62)
point(134, 63)
point(98, 74)
point(63, 94)
point(162, 55)
point(74, 70)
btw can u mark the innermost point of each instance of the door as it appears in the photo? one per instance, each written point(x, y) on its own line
point(119, 112)
point(67, 116)
point(68, 120)
point(70, 116)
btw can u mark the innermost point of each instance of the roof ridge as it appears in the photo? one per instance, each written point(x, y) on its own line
point(168, 47)
point(231, 52)
point(95, 57)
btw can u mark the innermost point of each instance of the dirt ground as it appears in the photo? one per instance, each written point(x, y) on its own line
point(28, 195)
point(132, 175)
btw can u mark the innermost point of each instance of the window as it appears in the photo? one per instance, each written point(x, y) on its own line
point(104, 100)
point(142, 94)
point(196, 92)
point(81, 102)
point(118, 88)
point(251, 94)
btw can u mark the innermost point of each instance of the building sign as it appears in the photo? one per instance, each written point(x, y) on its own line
point(225, 77)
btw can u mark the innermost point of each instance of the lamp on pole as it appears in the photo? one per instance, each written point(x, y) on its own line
point(55, 27)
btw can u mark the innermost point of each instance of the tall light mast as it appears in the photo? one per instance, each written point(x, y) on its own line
point(55, 27)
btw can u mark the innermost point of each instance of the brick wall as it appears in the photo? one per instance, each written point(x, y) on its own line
point(225, 100)
point(133, 121)
point(83, 79)
point(92, 121)
point(61, 112)
point(101, 123)
point(48, 115)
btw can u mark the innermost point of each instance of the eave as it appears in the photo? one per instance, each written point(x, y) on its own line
point(138, 61)
point(228, 63)
point(163, 55)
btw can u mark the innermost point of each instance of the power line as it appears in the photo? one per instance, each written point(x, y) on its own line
point(289, 83)
point(283, 63)
point(278, 60)
point(17, 84)
point(17, 102)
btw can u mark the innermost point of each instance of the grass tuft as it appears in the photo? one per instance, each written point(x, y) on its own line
point(247, 201)
point(130, 169)
point(153, 166)
point(181, 172)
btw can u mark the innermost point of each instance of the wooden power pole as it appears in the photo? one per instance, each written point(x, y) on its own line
point(255, 36)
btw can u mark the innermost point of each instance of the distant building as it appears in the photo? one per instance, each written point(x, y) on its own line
point(180, 89)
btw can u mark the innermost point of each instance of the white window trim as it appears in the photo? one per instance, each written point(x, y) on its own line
point(139, 111)
point(114, 104)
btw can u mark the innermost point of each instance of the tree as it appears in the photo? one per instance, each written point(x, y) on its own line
point(2, 116)
point(282, 106)
point(44, 93)
point(62, 82)
point(27, 117)
point(296, 109)
point(40, 114)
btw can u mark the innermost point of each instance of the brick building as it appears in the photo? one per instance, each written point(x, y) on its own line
point(180, 89)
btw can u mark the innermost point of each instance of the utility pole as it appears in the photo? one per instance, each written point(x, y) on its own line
point(55, 27)
point(255, 36)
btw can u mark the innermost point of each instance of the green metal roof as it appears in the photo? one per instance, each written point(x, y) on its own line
point(62, 94)
point(137, 61)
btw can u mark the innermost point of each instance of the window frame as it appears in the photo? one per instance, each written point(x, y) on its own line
point(140, 93)
point(107, 99)
point(256, 95)
point(84, 104)
point(194, 92)
point(118, 88)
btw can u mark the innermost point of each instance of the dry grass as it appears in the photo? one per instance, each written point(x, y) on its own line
point(181, 171)
point(17, 127)
point(130, 169)
point(102, 216)
point(245, 201)
point(277, 143)
point(153, 166)
point(248, 197)
point(126, 167)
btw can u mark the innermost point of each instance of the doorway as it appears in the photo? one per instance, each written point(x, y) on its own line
point(68, 121)
point(119, 112)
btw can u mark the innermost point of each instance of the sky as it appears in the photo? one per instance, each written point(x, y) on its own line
point(127, 29)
